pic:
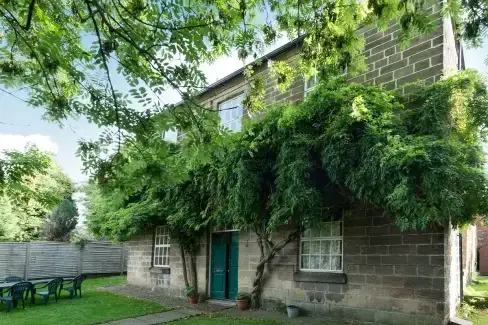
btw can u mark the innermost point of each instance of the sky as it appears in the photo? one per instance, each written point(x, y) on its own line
point(21, 124)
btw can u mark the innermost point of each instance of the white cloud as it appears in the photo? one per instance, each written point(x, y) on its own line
point(19, 142)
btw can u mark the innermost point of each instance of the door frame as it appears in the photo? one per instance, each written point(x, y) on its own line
point(209, 284)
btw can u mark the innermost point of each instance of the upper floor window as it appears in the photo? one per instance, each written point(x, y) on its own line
point(231, 112)
point(161, 246)
point(171, 135)
point(321, 247)
point(310, 84)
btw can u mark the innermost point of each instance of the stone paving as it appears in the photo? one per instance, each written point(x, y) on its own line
point(159, 318)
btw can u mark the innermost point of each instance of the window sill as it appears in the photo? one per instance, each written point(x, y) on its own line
point(160, 270)
point(321, 277)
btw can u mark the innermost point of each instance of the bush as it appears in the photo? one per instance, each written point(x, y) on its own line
point(191, 292)
point(243, 296)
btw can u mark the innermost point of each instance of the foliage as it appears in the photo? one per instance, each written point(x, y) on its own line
point(191, 291)
point(417, 157)
point(61, 221)
point(26, 205)
point(67, 53)
point(80, 238)
point(466, 310)
point(243, 296)
point(15, 166)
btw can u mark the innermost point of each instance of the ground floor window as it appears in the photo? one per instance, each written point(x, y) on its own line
point(161, 246)
point(321, 247)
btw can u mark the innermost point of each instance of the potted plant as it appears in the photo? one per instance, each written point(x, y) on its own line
point(192, 294)
point(242, 300)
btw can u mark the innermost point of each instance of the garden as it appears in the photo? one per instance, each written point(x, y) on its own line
point(475, 306)
point(94, 307)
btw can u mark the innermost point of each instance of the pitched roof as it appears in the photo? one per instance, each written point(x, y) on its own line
point(271, 55)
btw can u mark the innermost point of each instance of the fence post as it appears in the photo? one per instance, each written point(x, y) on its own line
point(122, 258)
point(80, 265)
point(27, 261)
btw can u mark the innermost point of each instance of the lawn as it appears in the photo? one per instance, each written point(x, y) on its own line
point(475, 307)
point(94, 307)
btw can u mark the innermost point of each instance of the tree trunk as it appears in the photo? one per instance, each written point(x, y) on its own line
point(193, 266)
point(266, 258)
point(257, 283)
point(183, 263)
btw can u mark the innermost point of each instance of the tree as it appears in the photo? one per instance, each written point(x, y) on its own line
point(417, 157)
point(8, 226)
point(33, 196)
point(61, 221)
point(15, 166)
point(158, 46)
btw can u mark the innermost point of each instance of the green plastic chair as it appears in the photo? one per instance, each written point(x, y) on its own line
point(9, 279)
point(76, 285)
point(19, 291)
point(53, 288)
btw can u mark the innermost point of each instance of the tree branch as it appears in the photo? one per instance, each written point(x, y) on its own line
point(30, 14)
point(105, 65)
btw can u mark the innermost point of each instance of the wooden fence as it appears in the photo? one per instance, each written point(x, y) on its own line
point(37, 260)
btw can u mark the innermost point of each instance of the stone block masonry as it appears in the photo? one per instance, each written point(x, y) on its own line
point(393, 277)
point(394, 67)
point(389, 276)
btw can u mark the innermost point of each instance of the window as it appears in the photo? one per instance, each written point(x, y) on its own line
point(231, 112)
point(170, 135)
point(161, 246)
point(310, 84)
point(321, 247)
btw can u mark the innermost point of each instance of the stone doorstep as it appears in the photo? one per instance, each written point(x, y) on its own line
point(155, 319)
point(459, 321)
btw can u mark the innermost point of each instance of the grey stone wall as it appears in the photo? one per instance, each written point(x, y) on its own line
point(394, 67)
point(140, 270)
point(389, 65)
point(392, 277)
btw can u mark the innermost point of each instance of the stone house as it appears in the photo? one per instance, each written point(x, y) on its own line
point(358, 265)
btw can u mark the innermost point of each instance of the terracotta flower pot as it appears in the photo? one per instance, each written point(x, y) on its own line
point(193, 299)
point(242, 304)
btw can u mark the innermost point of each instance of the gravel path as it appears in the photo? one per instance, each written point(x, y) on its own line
point(158, 295)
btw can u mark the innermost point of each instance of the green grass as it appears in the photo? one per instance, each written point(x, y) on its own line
point(94, 307)
point(223, 320)
point(478, 288)
point(475, 307)
point(103, 282)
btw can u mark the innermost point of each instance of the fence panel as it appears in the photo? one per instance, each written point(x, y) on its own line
point(36, 260)
point(55, 259)
point(12, 259)
point(103, 257)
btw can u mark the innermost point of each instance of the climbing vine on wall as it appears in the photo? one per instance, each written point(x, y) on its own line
point(418, 157)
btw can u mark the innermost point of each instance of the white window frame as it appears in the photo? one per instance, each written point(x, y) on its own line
point(307, 82)
point(162, 241)
point(310, 239)
point(225, 110)
point(316, 80)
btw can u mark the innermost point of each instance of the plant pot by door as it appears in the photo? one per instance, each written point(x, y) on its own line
point(242, 304)
point(194, 299)
point(292, 311)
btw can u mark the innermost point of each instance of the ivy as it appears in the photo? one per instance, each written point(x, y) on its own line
point(417, 157)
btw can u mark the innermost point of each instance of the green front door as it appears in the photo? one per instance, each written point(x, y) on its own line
point(233, 265)
point(224, 265)
point(219, 266)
